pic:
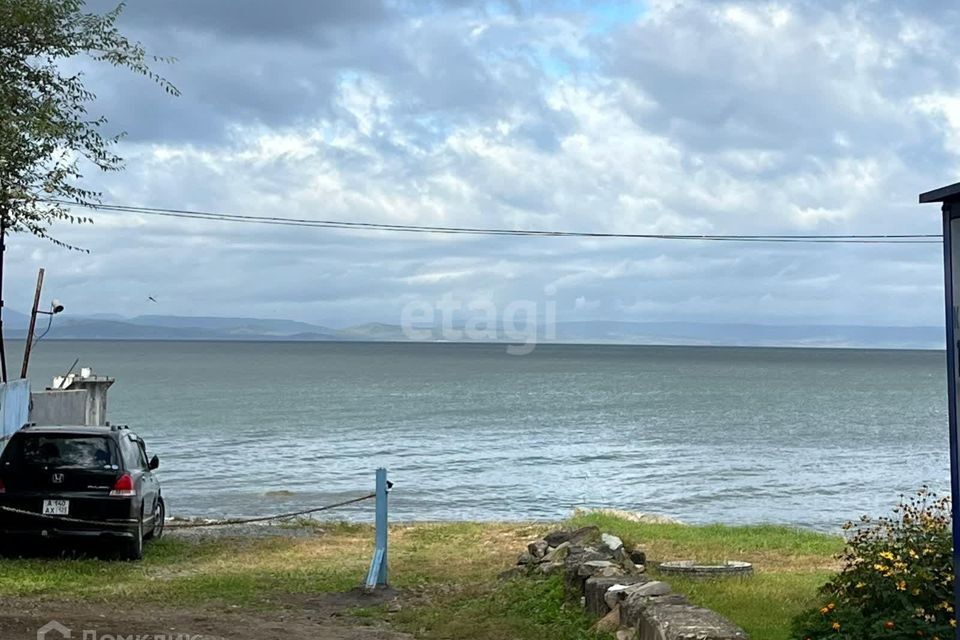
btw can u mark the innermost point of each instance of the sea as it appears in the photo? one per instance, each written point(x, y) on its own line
point(804, 437)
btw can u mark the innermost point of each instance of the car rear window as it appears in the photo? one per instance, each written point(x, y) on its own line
point(85, 452)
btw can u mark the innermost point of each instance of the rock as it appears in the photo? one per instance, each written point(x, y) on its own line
point(638, 556)
point(652, 589)
point(627, 562)
point(571, 566)
point(578, 554)
point(550, 568)
point(626, 634)
point(282, 493)
point(558, 553)
point(611, 542)
point(632, 607)
point(572, 581)
point(556, 538)
point(512, 572)
point(527, 558)
point(593, 566)
point(686, 622)
point(582, 535)
point(576, 559)
point(597, 588)
point(538, 548)
point(608, 623)
point(622, 590)
point(592, 555)
point(396, 607)
point(598, 568)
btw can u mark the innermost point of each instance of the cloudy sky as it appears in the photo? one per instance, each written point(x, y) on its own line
point(654, 116)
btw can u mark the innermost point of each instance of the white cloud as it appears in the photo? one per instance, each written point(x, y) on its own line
point(697, 117)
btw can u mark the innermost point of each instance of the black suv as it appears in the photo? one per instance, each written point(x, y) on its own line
point(81, 482)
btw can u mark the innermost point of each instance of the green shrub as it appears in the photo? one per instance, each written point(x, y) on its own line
point(896, 580)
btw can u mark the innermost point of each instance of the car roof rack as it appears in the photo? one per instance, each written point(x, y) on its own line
point(112, 427)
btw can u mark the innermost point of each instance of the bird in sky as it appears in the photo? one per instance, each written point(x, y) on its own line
point(151, 299)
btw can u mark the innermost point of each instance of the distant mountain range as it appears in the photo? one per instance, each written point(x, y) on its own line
point(160, 327)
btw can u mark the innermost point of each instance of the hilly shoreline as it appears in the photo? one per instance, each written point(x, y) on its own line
point(169, 327)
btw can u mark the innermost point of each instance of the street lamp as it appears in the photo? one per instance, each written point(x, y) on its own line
point(55, 308)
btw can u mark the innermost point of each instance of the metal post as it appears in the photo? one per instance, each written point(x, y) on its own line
point(952, 348)
point(950, 197)
point(377, 575)
point(33, 325)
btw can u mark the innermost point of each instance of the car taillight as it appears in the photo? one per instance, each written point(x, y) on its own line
point(124, 486)
point(3, 487)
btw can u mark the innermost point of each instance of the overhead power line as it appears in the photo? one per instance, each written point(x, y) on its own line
point(908, 238)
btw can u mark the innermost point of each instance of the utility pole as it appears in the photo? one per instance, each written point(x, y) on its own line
point(33, 324)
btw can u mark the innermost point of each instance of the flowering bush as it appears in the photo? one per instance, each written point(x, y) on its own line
point(896, 580)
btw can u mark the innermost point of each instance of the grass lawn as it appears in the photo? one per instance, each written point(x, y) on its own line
point(446, 573)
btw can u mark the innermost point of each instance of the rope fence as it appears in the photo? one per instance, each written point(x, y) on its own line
point(279, 516)
point(189, 525)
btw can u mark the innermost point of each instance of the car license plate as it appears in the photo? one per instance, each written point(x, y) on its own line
point(56, 507)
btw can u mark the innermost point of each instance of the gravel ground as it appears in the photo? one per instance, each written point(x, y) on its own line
point(312, 618)
point(287, 529)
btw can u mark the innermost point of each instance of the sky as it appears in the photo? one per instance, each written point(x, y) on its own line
point(664, 116)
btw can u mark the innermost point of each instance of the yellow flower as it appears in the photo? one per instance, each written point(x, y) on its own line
point(902, 585)
point(886, 555)
point(836, 626)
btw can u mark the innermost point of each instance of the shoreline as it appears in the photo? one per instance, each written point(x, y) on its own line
point(262, 340)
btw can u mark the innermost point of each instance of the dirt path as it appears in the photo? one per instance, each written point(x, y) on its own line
point(321, 617)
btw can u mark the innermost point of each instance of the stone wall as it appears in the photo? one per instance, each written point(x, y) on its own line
point(612, 584)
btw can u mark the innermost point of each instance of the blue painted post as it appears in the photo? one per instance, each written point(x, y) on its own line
point(377, 576)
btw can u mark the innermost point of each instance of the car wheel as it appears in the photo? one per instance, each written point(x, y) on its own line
point(134, 548)
point(159, 519)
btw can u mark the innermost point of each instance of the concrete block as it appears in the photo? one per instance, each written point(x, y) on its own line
point(635, 605)
point(619, 593)
point(663, 621)
point(595, 590)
